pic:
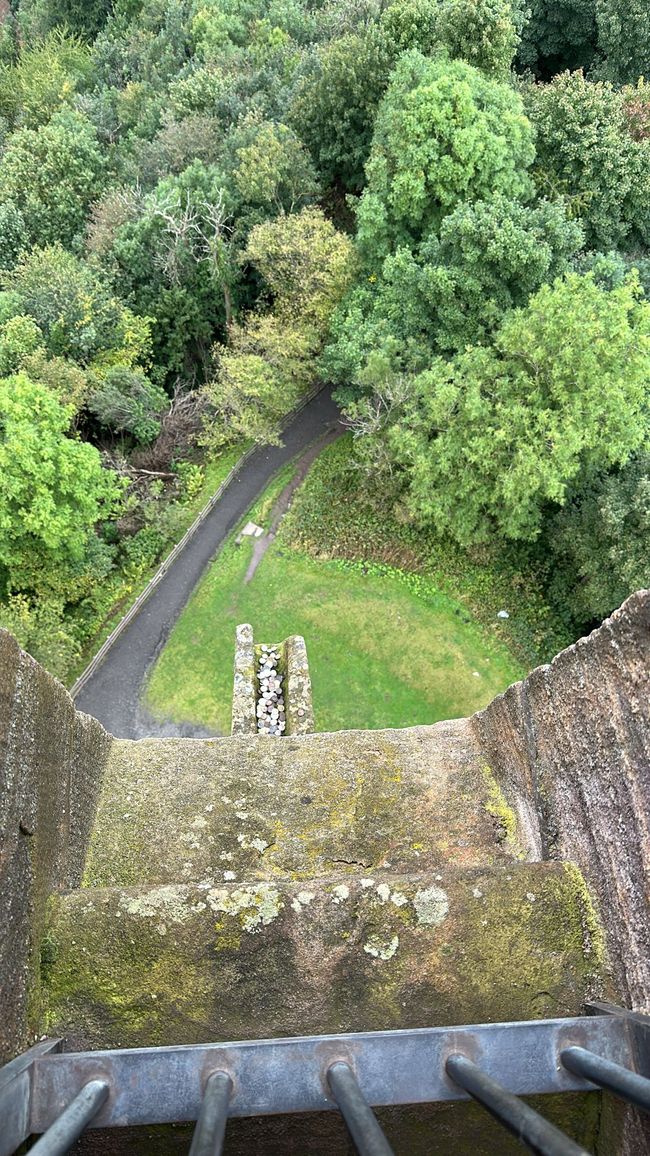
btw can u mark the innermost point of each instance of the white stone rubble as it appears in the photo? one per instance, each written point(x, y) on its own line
point(271, 717)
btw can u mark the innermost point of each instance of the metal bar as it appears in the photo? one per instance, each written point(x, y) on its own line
point(15, 1096)
point(629, 1085)
point(527, 1125)
point(71, 1123)
point(361, 1122)
point(596, 1007)
point(211, 1126)
point(638, 1026)
point(163, 1085)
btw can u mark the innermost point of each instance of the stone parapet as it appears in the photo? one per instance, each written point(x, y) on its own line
point(295, 694)
point(300, 709)
point(189, 963)
point(570, 747)
point(176, 810)
point(240, 887)
point(244, 693)
point(51, 764)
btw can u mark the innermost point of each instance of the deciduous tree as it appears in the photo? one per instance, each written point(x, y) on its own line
point(54, 489)
point(485, 440)
point(488, 258)
point(558, 34)
point(76, 311)
point(44, 78)
point(271, 357)
point(125, 400)
point(623, 40)
point(586, 152)
point(52, 175)
point(600, 541)
point(444, 133)
point(485, 33)
point(305, 263)
point(172, 260)
point(336, 101)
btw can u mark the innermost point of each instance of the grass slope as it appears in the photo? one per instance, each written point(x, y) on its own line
point(385, 649)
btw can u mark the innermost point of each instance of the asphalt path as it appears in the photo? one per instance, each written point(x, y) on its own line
point(112, 694)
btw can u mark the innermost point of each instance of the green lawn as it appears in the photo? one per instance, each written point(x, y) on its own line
point(384, 649)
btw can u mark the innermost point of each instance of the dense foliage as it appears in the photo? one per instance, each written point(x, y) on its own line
point(53, 487)
point(486, 438)
point(207, 206)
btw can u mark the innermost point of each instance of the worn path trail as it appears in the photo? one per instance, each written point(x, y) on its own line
point(112, 694)
point(283, 503)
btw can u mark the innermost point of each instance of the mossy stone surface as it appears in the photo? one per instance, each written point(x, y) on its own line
point(179, 810)
point(51, 761)
point(188, 963)
point(570, 750)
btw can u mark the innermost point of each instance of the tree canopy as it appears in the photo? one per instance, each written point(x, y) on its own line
point(444, 133)
point(585, 151)
point(486, 439)
point(54, 489)
point(52, 175)
point(207, 207)
point(599, 540)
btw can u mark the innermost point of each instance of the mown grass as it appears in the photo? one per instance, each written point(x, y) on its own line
point(386, 649)
point(339, 513)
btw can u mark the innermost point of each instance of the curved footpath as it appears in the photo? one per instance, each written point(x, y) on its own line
point(112, 694)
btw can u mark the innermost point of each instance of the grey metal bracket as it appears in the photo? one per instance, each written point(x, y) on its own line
point(52, 1092)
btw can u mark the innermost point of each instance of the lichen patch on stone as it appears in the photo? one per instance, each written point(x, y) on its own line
point(340, 893)
point(157, 901)
point(381, 948)
point(302, 899)
point(255, 907)
point(431, 906)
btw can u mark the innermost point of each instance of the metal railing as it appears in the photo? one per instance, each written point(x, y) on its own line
point(59, 1094)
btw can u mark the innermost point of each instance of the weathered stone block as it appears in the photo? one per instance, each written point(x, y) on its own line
point(243, 694)
point(570, 747)
point(177, 810)
point(300, 708)
point(186, 963)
